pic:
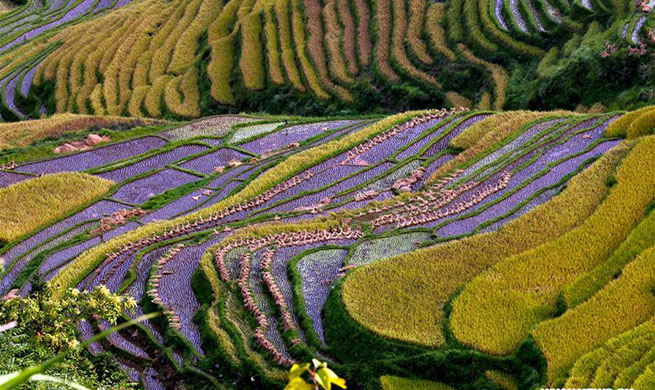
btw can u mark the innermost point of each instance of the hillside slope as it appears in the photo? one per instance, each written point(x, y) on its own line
point(468, 248)
point(187, 58)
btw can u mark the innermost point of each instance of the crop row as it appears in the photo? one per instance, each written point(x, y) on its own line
point(379, 310)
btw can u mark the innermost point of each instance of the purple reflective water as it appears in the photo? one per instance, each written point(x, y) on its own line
point(206, 163)
point(152, 163)
point(151, 378)
point(318, 271)
point(86, 332)
point(498, 11)
point(222, 194)
point(141, 190)
point(119, 341)
point(55, 262)
point(95, 211)
point(436, 164)
point(416, 147)
point(27, 80)
point(312, 199)
point(258, 289)
point(10, 94)
point(59, 258)
point(174, 208)
point(442, 143)
point(96, 157)
point(289, 135)
point(82, 8)
point(102, 5)
point(317, 181)
point(383, 150)
point(176, 291)
point(9, 178)
point(228, 175)
point(551, 178)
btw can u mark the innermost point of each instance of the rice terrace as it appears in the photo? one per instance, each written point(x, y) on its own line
point(327, 194)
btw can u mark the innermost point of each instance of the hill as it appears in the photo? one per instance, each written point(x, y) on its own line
point(429, 249)
point(192, 58)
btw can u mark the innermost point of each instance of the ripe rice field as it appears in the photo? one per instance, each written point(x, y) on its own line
point(421, 242)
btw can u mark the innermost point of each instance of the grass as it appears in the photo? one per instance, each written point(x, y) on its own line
point(408, 308)
point(33, 203)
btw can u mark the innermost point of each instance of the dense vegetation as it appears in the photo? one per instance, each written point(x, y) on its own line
point(188, 58)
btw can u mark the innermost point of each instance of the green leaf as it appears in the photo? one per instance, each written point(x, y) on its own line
point(323, 379)
point(297, 370)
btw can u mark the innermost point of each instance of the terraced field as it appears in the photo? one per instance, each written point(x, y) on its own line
point(189, 58)
point(430, 249)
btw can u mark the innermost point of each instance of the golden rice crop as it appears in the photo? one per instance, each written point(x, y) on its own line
point(457, 100)
point(31, 204)
point(623, 304)
point(642, 125)
point(300, 41)
point(427, 278)
point(639, 239)
point(286, 44)
point(186, 104)
point(273, 48)
point(619, 128)
point(184, 52)
point(500, 307)
point(398, 45)
point(485, 102)
point(136, 101)
point(504, 380)
point(162, 54)
point(153, 99)
point(348, 39)
point(251, 62)
point(364, 43)
point(384, 22)
point(219, 69)
point(333, 38)
point(436, 32)
point(95, 98)
point(417, 10)
point(314, 46)
point(18, 134)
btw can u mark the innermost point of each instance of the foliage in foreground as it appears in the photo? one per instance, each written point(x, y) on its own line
point(43, 326)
